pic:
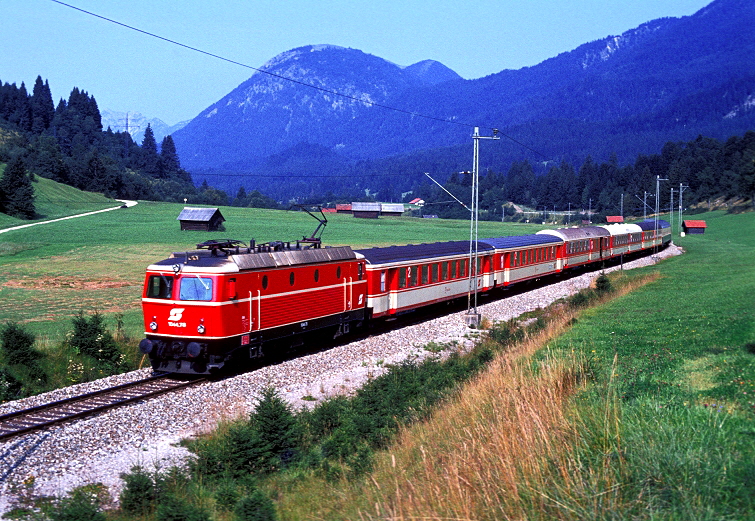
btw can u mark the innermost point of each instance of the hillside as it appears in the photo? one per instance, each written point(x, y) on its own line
point(667, 80)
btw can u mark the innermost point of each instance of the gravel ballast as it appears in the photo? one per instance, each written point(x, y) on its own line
point(98, 449)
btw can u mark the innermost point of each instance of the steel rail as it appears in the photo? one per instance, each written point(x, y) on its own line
point(41, 416)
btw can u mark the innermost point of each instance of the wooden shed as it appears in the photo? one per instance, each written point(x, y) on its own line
point(343, 208)
point(610, 219)
point(392, 209)
point(201, 219)
point(366, 210)
point(691, 226)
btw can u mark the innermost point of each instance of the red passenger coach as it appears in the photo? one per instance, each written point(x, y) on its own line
point(206, 307)
point(403, 278)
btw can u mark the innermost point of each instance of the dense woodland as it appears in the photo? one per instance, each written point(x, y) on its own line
point(67, 143)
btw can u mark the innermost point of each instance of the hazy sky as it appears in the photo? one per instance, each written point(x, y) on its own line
point(128, 70)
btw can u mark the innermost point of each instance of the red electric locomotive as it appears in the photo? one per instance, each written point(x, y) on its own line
point(224, 301)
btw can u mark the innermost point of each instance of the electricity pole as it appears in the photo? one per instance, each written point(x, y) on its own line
point(682, 188)
point(657, 207)
point(473, 317)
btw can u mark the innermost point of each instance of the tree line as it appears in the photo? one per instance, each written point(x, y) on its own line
point(67, 143)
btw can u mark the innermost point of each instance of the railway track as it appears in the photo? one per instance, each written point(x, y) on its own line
point(39, 417)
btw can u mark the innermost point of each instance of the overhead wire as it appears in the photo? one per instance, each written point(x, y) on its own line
point(299, 82)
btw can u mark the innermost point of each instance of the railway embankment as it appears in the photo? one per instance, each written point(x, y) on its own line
point(100, 448)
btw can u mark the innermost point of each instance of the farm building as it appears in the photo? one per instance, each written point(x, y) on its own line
point(391, 209)
point(610, 219)
point(694, 226)
point(201, 219)
point(417, 202)
point(343, 208)
point(365, 210)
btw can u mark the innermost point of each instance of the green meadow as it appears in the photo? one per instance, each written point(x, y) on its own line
point(51, 271)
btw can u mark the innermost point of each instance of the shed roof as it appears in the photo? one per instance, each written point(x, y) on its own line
point(392, 207)
point(695, 224)
point(198, 214)
point(365, 207)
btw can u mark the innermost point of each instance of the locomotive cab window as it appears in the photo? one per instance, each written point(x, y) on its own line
point(160, 286)
point(195, 288)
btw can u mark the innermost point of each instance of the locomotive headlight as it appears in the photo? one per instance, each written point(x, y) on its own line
point(200, 327)
point(153, 326)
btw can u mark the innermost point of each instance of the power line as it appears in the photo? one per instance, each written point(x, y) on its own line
point(302, 83)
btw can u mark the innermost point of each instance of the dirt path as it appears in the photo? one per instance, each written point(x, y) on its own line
point(128, 204)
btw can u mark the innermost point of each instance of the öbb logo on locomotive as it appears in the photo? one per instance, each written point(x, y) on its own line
point(233, 302)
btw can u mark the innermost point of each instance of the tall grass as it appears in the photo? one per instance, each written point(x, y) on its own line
point(495, 451)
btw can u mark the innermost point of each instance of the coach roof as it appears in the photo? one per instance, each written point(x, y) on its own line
point(417, 252)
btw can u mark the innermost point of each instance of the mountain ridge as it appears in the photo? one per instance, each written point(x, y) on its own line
point(663, 80)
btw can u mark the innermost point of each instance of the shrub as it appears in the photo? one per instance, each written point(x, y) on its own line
point(139, 492)
point(81, 504)
point(18, 346)
point(92, 339)
point(256, 507)
point(175, 509)
point(603, 284)
point(506, 333)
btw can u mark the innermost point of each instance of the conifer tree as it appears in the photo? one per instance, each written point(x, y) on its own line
point(16, 191)
point(42, 108)
point(150, 159)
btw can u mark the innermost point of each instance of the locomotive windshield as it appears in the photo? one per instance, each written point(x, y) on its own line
point(195, 288)
point(160, 286)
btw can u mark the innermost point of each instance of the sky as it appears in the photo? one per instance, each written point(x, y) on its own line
point(126, 70)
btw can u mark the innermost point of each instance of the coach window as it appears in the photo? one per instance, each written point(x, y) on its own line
point(382, 281)
point(424, 273)
point(415, 275)
point(160, 286)
point(434, 272)
point(444, 271)
point(402, 277)
point(195, 288)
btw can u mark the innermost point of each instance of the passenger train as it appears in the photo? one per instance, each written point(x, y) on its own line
point(211, 308)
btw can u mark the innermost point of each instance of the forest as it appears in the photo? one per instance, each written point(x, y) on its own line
point(67, 143)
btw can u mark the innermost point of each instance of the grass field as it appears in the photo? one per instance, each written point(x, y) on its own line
point(96, 263)
point(663, 428)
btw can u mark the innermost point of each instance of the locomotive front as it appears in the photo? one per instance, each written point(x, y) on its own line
point(187, 329)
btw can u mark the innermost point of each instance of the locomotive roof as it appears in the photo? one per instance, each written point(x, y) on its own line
point(575, 234)
point(204, 259)
point(521, 241)
point(411, 252)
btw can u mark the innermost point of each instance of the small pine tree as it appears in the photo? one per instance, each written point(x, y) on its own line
point(18, 346)
point(92, 339)
point(16, 191)
point(256, 507)
point(139, 492)
point(603, 284)
point(277, 427)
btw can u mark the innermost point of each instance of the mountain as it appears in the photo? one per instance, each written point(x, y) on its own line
point(135, 124)
point(666, 80)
